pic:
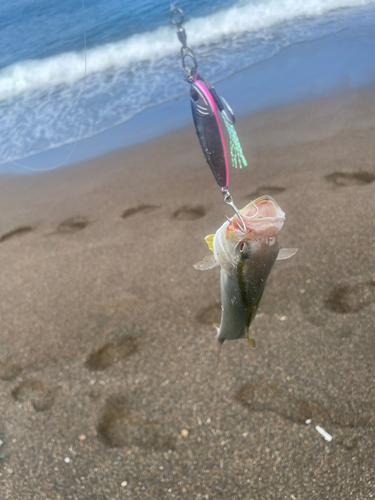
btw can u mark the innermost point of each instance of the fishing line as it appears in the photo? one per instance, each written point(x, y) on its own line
point(82, 98)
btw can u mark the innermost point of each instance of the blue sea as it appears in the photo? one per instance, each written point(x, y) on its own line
point(73, 69)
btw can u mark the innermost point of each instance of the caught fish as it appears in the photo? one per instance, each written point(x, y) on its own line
point(246, 253)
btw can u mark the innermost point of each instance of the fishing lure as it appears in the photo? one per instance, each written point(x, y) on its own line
point(209, 112)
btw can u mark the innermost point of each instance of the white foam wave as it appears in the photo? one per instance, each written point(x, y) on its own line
point(68, 68)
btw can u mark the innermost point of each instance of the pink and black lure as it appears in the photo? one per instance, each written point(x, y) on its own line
point(209, 111)
point(205, 106)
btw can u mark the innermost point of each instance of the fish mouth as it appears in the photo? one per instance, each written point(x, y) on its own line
point(262, 220)
point(259, 215)
point(263, 208)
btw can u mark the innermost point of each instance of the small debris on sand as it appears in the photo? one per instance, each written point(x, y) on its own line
point(324, 433)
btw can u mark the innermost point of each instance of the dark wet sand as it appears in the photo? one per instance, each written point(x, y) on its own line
point(107, 354)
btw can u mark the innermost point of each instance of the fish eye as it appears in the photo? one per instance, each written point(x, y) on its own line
point(194, 95)
point(243, 249)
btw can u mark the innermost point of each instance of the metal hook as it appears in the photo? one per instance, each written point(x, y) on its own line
point(229, 201)
point(256, 213)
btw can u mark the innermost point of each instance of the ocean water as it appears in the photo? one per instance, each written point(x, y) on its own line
point(70, 70)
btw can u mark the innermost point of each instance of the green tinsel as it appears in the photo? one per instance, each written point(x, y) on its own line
point(238, 158)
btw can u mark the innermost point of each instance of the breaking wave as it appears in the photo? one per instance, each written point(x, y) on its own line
point(45, 103)
point(68, 68)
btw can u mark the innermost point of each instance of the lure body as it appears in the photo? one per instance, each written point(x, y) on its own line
point(204, 106)
point(246, 257)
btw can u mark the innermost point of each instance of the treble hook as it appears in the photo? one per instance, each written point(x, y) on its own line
point(229, 201)
point(256, 213)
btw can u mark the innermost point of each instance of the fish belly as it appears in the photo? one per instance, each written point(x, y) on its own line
point(234, 316)
point(241, 292)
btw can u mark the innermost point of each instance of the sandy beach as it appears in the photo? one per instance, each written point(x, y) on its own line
point(108, 380)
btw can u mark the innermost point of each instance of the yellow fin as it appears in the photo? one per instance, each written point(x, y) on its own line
point(217, 325)
point(250, 340)
point(251, 343)
point(209, 240)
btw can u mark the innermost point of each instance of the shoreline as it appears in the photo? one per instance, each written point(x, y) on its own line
point(260, 133)
point(334, 108)
point(302, 72)
point(336, 98)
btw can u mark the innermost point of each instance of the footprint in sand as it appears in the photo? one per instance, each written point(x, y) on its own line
point(119, 425)
point(9, 371)
point(346, 298)
point(336, 308)
point(73, 225)
point(112, 352)
point(189, 213)
point(344, 179)
point(33, 390)
point(262, 190)
point(145, 209)
point(20, 231)
point(348, 442)
point(210, 314)
point(266, 396)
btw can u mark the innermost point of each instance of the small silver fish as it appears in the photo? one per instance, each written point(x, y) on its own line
point(246, 259)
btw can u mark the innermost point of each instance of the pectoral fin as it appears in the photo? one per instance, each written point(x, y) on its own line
point(217, 326)
point(208, 262)
point(286, 253)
